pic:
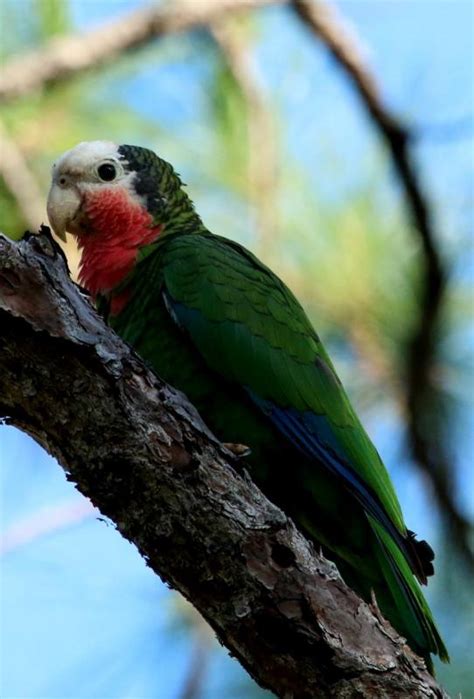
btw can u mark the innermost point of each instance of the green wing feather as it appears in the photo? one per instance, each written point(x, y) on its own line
point(251, 329)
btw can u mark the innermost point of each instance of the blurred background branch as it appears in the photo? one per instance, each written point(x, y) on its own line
point(261, 146)
point(20, 180)
point(419, 396)
point(46, 521)
point(199, 659)
point(67, 56)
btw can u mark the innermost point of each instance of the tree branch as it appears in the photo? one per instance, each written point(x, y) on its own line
point(65, 57)
point(43, 522)
point(20, 181)
point(426, 445)
point(201, 652)
point(140, 452)
point(263, 165)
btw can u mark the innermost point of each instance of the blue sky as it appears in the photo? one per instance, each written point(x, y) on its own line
point(82, 616)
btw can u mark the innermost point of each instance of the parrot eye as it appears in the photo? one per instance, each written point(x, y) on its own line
point(107, 172)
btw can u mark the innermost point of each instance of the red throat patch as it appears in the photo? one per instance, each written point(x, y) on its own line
point(116, 227)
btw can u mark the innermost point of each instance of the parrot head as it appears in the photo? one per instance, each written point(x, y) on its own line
point(114, 199)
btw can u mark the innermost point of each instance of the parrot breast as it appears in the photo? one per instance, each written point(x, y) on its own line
point(114, 227)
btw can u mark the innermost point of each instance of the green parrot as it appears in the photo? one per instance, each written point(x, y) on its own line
point(216, 323)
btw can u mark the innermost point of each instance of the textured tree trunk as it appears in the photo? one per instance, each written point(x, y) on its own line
point(140, 452)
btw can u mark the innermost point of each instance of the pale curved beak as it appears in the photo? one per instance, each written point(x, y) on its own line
point(62, 207)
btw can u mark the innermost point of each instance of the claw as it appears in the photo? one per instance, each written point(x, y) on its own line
point(238, 450)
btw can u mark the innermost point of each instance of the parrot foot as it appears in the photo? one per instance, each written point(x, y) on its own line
point(238, 450)
point(375, 606)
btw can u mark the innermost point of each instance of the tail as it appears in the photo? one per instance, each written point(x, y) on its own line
point(403, 601)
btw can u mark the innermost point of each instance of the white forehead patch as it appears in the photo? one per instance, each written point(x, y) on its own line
point(85, 154)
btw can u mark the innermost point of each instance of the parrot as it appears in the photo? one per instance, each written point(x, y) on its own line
point(217, 324)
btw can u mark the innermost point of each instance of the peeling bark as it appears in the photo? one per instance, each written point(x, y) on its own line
point(140, 452)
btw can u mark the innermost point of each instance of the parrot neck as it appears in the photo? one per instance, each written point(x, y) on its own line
point(117, 227)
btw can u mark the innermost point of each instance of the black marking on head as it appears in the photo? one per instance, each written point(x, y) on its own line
point(155, 179)
point(162, 189)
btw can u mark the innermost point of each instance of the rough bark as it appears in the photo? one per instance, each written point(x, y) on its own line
point(140, 452)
